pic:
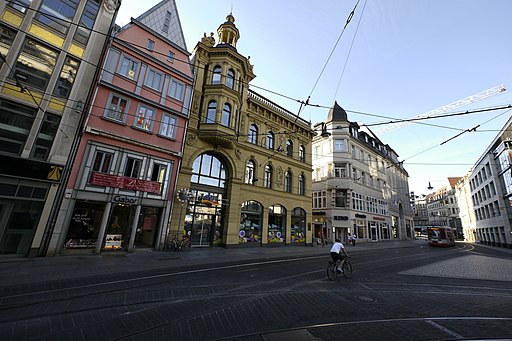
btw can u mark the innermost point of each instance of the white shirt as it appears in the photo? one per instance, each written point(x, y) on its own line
point(337, 247)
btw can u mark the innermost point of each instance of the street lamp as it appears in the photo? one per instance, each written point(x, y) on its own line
point(184, 195)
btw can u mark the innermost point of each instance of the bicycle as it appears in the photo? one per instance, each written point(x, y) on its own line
point(332, 274)
point(175, 244)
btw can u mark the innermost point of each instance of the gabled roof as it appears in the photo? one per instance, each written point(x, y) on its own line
point(156, 19)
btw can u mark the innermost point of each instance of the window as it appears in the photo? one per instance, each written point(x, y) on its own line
point(167, 22)
point(212, 112)
point(35, 64)
point(209, 170)
point(6, 38)
point(288, 182)
point(289, 148)
point(102, 162)
point(170, 56)
point(144, 118)
point(150, 45)
point(249, 172)
point(340, 199)
point(153, 79)
point(129, 67)
point(216, 75)
point(270, 140)
point(226, 115)
point(158, 172)
point(66, 78)
point(339, 145)
point(20, 5)
point(15, 124)
point(132, 168)
point(117, 108)
point(46, 136)
point(253, 134)
point(302, 185)
point(87, 20)
point(230, 80)
point(268, 177)
point(57, 13)
point(168, 126)
point(176, 90)
point(340, 170)
point(302, 153)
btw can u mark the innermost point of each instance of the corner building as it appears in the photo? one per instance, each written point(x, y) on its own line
point(49, 56)
point(246, 162)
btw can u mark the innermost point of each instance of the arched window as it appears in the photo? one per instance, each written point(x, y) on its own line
point(249, 172)
point(253, 134)
point(289, 148)
point(302, 153)
point(217, 70)
point(288, 182)
point(209, 170)
point(270, 140)
point(268, 177)
point(212, 112)
point(226, 115)
point(302, 185)
point(230, 80)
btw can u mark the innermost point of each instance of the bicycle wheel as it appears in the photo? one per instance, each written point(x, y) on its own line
point(331, 271)
point(185, 245)
point(347, 269)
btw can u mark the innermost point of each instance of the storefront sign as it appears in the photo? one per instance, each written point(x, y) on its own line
point(318, 213)
point(340, 217)
point(121, 199)
point(360, 215)
point(379, 218)
point(102, 179)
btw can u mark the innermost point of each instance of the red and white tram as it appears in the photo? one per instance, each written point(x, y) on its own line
point(440, 236)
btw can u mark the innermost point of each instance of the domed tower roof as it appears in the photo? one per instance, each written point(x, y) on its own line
point(337, 113)
point(228, 33)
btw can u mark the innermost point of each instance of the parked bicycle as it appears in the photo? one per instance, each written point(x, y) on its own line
point(178, 244)
point(346, 268)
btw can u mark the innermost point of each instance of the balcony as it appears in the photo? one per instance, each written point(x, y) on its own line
point(217, 134)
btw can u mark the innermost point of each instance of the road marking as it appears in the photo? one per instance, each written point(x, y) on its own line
point(444, 329)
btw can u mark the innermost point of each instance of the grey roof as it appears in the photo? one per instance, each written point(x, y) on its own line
point(337, 113)
point(154, 18)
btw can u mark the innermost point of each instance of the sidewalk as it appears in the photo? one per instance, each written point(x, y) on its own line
point(36, 270)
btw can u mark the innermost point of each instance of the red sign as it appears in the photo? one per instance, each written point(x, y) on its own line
point(124, 182)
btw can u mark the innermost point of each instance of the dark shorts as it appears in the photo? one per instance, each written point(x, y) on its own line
point(336, 256)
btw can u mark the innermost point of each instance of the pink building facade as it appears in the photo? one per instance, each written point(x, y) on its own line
point(123, 181)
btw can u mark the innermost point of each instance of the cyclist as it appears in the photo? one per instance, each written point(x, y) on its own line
point(336, 255)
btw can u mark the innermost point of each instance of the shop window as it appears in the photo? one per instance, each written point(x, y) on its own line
point(85, 225)
point(168, 126)
point(251, 217)
point(102, 162)
point(298, 232)
point(253, 134)
point(46, 136)
point(15, 124)
point(144, 119)
point(117, 108)
point(66, 78)
point(35, 64)
point(84, 28)
point(276, 224)
point(57, 14)
point(132, 168)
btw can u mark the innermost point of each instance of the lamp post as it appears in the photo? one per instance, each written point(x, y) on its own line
point(184, 196)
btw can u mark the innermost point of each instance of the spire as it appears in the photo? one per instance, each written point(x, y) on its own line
point(228, 33)
point(337, 113)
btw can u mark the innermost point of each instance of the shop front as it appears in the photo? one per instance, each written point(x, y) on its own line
point(276, 225)
point(251, 217)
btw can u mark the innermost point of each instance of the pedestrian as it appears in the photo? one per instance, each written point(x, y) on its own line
point(354, 240)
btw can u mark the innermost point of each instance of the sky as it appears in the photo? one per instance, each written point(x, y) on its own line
point(394, 58)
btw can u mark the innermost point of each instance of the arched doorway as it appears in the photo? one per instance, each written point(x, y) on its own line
point(204, 221)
